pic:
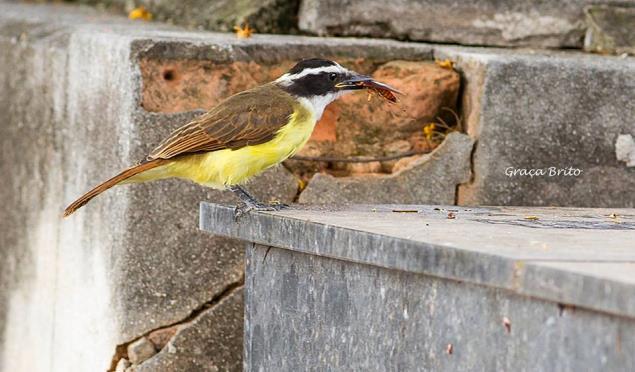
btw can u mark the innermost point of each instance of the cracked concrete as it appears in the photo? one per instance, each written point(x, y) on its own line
point(211, 341)
point(213, 331)
point(430, 178)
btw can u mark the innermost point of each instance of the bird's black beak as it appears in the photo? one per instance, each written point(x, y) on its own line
point(356, 82)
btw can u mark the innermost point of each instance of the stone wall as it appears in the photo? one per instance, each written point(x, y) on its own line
point(598, 26)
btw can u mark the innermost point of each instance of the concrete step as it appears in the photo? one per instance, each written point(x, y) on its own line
point(551, 24)
point(411, 287)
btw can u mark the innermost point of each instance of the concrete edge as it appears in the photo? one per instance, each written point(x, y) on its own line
point(517, 276)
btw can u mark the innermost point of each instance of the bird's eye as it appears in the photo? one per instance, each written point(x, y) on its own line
point(332, 76)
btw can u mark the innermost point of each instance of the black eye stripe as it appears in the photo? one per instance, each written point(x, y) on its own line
point(312, 85)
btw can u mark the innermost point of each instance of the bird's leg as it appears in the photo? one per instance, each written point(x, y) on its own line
point(250, 203)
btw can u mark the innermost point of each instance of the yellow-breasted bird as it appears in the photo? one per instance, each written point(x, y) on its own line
point(246, 133)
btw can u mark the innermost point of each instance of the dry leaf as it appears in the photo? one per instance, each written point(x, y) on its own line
point(446, 63)
point(243, 32)
point(301, 184)
point(428, 130)
point(532, 218)
point(140, 13)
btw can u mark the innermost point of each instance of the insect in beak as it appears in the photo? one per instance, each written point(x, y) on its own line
point(366, 82)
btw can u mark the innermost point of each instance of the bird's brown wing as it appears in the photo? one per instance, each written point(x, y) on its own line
point(248, 118)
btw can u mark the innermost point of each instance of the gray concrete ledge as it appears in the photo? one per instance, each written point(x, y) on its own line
point(574, 256)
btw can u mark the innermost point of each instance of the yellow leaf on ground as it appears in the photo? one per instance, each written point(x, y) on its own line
point(243, 32)
point(301, 184)
point(428, 130)
point(140, 13)
point(446, 63)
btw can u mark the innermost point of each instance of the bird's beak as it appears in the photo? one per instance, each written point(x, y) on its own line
point(356, 82)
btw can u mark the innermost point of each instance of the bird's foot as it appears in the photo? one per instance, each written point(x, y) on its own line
point(244, 208)
point(278, 205)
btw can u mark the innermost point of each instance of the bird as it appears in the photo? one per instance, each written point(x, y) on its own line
point(246, 133)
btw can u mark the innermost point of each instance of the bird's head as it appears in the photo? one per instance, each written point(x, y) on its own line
point(318, 82)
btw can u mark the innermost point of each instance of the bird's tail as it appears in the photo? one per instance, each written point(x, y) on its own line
point(132, 171)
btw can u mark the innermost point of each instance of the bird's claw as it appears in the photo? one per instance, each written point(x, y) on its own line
point(277, 205)
point(244, 208)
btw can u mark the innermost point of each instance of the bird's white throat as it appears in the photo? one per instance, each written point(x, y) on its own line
point(317, 104)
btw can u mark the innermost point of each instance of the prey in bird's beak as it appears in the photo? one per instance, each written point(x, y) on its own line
point(366, 82)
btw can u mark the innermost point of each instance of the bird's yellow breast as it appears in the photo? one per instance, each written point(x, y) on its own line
point(221, 168)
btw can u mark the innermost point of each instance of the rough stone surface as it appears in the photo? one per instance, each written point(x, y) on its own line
point(160, 337)
point(265, 16)
point(543, 110)
point(610, 29)
point(488, 22)
point(218, 328)
point(183, 85)
point(122, 365)
point(431, 178)
point(140, 350)
point(306, 310)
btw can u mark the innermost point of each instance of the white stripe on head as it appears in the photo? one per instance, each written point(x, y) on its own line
point(287, 78)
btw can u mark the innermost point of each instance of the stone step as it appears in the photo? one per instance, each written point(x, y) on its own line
point(436, 287)
point(551, 24)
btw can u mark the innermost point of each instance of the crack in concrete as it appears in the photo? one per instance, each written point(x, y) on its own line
point(121, 350)
point(473, 73)
point(459, 186)
point(461, 109)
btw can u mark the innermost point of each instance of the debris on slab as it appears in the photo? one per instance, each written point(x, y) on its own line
point(508, 324)
point(405, 211)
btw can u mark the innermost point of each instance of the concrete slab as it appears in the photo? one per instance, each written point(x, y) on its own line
point(502, 247)
point(413, 287)
point(306, 311)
